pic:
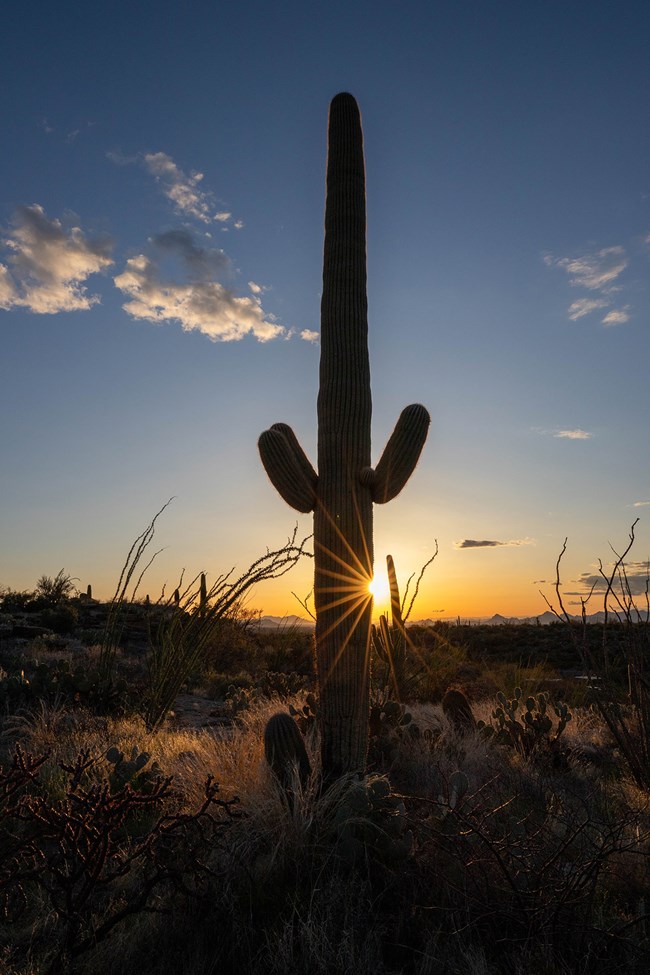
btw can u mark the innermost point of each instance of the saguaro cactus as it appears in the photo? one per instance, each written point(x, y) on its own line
point(341, 495)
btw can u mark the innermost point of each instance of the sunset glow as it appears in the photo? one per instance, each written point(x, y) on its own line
point(378, 588)
point(161, 273)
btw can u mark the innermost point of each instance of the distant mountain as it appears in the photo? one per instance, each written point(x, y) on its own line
point(283, 623)
point(544, 619)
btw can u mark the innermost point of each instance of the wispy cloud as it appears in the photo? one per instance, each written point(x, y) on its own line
point(595, 272)
point(485, 543)
point(184, 191)
point(617, 317)
point(585, 306)
point(200, 303)
point(573, 434)
point(641, 504)
point(49, 264)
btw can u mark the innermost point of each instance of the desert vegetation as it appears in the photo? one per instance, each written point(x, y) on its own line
point(499, 825)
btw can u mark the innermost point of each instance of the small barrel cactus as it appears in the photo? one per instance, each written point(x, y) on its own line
point(458, 711)
point(285, 752)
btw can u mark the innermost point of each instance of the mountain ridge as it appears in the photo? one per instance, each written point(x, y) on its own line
point(267, 622)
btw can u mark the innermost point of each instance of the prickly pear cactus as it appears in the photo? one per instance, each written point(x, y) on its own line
point(342, 493)
point(525, 723)
point(371, 823)
point(132, 771)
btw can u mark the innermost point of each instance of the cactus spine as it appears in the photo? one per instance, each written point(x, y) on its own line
point(341, 495)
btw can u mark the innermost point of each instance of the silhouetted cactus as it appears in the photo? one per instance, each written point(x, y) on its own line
point(284, 749)
point(389, 642)
point(342, 493)
point(203, 596)
point(458, 710)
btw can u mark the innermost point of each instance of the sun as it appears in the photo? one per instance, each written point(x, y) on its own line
point(378, 588)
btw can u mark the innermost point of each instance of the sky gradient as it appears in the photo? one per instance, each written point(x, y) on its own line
point(161, 243)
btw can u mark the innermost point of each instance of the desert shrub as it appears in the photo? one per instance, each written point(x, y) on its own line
point(62, 680)
point(524, 863)
point(61, 618)
point(51, 592)
point(288, 650)
point(77, 855)
point(625, 590)
point(12, 601)
point(439, 662)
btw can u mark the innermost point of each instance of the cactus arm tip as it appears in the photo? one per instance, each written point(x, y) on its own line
point(400, 455)
point(288, 467)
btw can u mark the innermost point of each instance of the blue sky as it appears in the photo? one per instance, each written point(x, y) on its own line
point(161, 249)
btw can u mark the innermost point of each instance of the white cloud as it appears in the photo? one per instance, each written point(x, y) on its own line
point(200, 304)
point(617, 316)
point(596, 272)
point(238, 224)
point(49, 264)
point(310, 336)
point(257, 289)
point(223, 217)
point(641, 504)
point(585, 306)
point(573, 434)
point(8, 293)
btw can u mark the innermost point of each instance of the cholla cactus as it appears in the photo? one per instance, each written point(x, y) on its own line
point(342, 493)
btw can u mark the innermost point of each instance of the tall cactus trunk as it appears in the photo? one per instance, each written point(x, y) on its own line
point(343, 492)
point(343, 516)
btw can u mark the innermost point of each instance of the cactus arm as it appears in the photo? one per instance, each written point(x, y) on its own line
point(400, 455)
point(299, 453)
point(287, 466)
